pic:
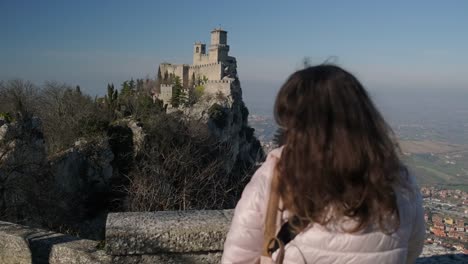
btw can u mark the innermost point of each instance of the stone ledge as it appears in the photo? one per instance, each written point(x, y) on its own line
point(79, 252)
point(176, 258)
point(14, 248)
point(166, 232)
point(22, 244)
point(192, 233)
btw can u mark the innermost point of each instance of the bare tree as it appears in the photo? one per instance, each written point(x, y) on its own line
point(184, 168)
point(66, 114)
point(18, 96)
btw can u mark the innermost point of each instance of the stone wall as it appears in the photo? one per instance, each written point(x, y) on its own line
point(200, 58)
point(215, 87)
point(153, 237)
point(166, 93)
point(212, 71)
point(181, 70)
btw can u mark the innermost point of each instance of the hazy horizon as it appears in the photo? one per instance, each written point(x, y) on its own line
point(417, 44)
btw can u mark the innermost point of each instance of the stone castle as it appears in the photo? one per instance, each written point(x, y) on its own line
point(215, 70)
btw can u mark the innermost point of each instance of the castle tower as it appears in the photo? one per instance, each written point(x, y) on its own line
point(199, 53)
point(218, 48)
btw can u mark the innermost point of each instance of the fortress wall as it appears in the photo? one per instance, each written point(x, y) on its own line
point(166, 93)
point(169, 68)
point(200, 59)
point(181, 70)
point(213, 87)
point(213, 71)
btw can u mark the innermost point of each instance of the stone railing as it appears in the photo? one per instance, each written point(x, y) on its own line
point(157, 237)
point(167, 237)
point(24, 245)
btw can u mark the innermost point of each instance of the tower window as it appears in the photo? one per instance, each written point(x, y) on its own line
point(197, 50)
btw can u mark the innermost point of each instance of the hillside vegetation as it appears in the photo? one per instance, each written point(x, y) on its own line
point(66, 159)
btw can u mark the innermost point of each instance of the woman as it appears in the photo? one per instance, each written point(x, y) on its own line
point(344, 194)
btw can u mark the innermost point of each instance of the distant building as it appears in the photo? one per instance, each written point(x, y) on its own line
point(214, 70)
point(448, 220)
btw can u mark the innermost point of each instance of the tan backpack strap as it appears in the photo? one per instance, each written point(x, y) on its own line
point(271, 215)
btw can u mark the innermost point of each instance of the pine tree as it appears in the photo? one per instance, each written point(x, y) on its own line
point(131, 84)
point(78, 89)
point(178, 95)
point(139, 85)
point(115, 95)
point(125, 89)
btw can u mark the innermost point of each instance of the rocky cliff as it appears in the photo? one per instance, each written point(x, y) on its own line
point(227, 117)
point(74, 188)
point(64, 189)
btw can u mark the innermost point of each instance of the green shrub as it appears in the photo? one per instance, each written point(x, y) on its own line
point(7, 117)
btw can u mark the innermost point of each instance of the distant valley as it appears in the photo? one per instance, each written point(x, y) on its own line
point(432, 130)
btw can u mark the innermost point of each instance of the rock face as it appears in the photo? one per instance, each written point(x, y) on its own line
point(22, 161)
point(86, 166)
point(22, 141)
point(61, 190)
point(82, 175)
point(227, 118)
point(246, 149)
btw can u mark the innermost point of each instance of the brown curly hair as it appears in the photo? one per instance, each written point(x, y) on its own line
point(340, 159)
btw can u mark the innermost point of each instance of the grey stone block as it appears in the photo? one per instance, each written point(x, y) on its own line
point(78, 252)
point(14, 248)
point(22, 244)
point(166, 232)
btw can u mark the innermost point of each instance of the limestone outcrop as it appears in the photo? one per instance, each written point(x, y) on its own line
point(227, 119)
point(84, 167)
point(68, 188)
point(23, 158)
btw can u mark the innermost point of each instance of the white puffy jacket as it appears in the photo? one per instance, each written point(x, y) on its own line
point(317, 244)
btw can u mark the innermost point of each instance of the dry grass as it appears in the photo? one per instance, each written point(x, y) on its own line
point(426, 146)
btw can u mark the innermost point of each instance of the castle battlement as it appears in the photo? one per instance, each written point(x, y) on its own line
point(204, 65)
point(220, 81)
point(166, 85)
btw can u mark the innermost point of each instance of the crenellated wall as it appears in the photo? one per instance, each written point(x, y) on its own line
point(221, 86)
point(212, 71)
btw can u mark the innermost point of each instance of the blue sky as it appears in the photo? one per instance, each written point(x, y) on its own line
point(388, 44)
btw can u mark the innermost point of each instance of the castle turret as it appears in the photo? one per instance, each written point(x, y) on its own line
point(218, 48)
point(199, 53)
